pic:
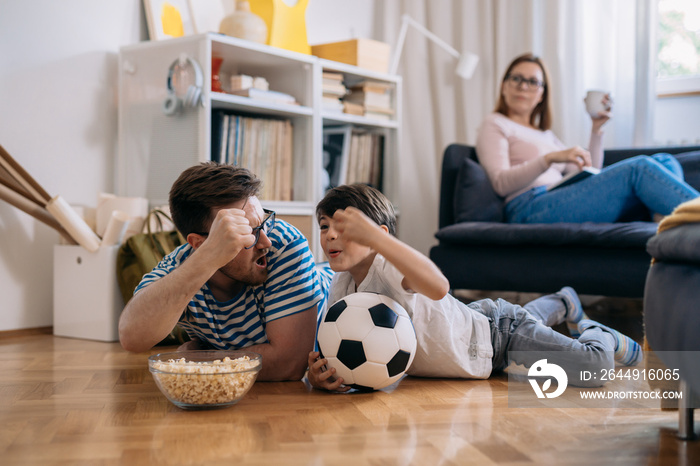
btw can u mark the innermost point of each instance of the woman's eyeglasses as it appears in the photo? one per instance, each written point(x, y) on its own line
point(266, 226)
point(516, 80)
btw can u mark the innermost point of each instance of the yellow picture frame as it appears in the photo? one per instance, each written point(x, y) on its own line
point(168, 18)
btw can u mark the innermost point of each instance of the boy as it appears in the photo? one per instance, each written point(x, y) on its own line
point(457, 340)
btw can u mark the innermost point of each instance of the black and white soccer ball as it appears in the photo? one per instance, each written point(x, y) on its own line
point(369, 339)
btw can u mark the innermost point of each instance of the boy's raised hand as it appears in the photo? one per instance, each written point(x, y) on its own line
point(355, 226)
point(321, 378)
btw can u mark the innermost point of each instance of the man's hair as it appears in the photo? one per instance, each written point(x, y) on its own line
point(202, 188)
point(367, 199)
point(542, 114)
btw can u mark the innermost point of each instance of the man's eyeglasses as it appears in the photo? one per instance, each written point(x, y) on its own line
point(516, 80)
point(266, 226)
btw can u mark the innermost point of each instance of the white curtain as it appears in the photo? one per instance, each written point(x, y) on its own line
point(586, 44)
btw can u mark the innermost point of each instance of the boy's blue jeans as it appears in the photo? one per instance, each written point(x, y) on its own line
point(655, 182)
point(528, 329)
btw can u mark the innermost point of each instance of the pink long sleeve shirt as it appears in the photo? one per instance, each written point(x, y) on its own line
point(513, 155)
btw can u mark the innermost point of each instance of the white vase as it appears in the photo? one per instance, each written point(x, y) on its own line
point(244, 24)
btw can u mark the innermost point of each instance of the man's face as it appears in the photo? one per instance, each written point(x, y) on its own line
point(250, 265)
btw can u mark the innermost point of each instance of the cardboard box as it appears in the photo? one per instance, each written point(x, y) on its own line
point(86, 298)
point(364, 53)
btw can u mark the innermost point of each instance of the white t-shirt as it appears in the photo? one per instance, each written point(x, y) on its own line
point(453, 339)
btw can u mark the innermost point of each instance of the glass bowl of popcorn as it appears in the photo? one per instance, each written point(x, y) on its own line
point(205, 379)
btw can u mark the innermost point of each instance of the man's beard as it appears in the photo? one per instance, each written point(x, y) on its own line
point(248, 277)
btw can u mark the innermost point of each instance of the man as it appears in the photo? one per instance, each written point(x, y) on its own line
point(243, 280)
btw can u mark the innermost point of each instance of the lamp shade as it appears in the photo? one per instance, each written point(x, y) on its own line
point(466, 65)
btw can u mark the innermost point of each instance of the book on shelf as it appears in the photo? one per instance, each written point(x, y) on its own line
point(352, 108)
point(267, 96)
point(574, 177)
point(352, 155)
point(372, 86)
point(263, 145)
point(335, 89)
point(332, 75)
point(366, 158)
point(369, 99)
point(332, 103)
point(243, 81)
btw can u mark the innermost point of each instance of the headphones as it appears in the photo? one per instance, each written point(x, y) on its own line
point(174, 104)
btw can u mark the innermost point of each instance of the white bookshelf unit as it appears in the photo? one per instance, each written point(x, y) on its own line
point(155, 148)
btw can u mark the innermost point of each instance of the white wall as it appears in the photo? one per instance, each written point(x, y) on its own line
point(58, 118)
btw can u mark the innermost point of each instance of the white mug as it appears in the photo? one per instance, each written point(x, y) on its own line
point(595, 104)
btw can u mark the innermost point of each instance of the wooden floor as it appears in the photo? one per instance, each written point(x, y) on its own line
point(76, 402)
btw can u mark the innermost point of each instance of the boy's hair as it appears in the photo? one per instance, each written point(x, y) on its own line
point(202, 188)
point(367, 199)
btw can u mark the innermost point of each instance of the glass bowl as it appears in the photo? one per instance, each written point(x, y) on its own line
point(206, 379)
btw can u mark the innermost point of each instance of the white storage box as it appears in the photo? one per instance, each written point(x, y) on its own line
point(86, 298)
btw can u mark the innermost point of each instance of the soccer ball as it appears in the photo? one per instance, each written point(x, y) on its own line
point(369, 339)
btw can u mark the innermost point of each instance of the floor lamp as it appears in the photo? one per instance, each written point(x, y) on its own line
point(467, 60)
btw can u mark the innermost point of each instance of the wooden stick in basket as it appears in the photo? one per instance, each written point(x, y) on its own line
point(16, 187)
point(36, 211)
point(23, 178)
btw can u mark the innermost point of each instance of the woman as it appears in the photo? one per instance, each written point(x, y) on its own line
point(522, 157)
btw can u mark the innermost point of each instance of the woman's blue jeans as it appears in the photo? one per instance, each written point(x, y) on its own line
point(654, 182)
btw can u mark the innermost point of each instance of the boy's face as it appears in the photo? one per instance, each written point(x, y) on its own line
point(343, 255)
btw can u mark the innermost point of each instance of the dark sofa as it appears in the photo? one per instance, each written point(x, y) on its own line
point(671, 318)
point(477, 250)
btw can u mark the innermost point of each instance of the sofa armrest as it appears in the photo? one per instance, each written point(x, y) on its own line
point(679, 244)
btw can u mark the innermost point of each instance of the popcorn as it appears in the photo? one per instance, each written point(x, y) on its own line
point(202, 383)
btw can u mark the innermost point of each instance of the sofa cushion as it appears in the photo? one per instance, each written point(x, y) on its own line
point(474, 198)
point(605, 235)
point(679, 244)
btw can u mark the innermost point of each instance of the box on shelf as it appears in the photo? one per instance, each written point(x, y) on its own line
point(363, 53)
point(87, 302)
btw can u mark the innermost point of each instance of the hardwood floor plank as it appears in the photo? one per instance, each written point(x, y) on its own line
point(73, 402)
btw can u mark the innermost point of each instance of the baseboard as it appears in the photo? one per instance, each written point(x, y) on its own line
point(25, 332)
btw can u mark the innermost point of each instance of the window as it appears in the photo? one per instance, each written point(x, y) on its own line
point(678, 56)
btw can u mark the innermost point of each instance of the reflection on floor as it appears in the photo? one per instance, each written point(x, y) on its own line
point(77, 402)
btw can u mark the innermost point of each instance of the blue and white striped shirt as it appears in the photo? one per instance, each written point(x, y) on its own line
point(294, 284)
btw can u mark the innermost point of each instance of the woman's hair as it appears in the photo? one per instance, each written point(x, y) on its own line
point(366, 199)
point(202, 188)
point(542, 114)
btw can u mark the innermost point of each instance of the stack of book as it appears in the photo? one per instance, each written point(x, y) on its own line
point(263, 145)
point(366, 158)
point(258, 88)
point(333, 90)
point(374, 97)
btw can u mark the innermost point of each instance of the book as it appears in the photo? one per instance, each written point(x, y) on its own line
point(353, 108)
point(243, 81)
point(332, 104)
point(373, 99)
point(268, 96)
point(330, 75)
point(334, 89)
point(372, 86)
point(574, 177)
